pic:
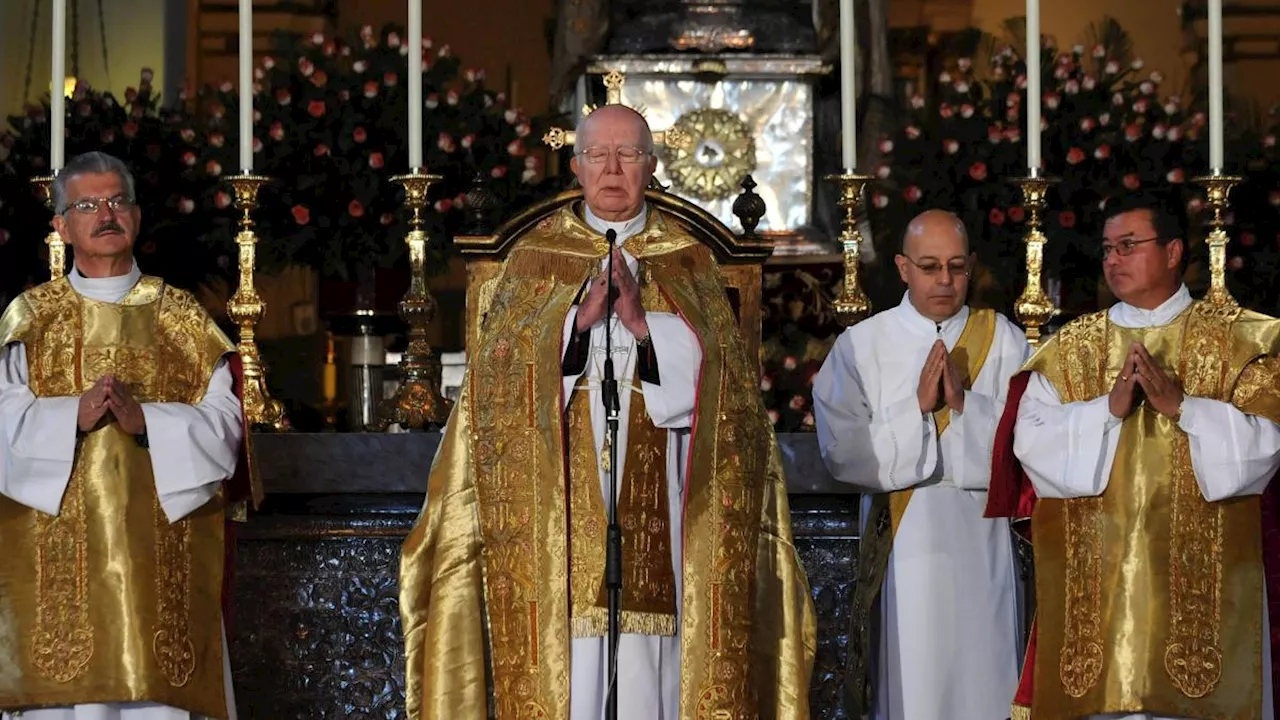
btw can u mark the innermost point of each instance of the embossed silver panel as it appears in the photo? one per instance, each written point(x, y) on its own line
point(773, 95)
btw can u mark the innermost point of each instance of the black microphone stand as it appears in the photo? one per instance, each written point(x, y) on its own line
point(613, 537)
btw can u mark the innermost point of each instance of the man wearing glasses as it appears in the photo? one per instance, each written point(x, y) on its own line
point(501, 583)
point(118, 425)
point(906, 406)
point(1140, 442)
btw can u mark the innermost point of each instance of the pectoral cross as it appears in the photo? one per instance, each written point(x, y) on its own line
point(557, 138)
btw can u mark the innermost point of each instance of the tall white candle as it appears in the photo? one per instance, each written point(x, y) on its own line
point(246, 86)
point(1033, 87)
point(415, 83)
point(57, 88)
point(1215, 86)
point(848, 86)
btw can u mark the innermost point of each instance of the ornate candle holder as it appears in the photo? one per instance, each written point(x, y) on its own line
point(1218, 187)
point(246, 308)
point(418, 404)
point(1034, 308)
point(57, 248)
point(853, 304)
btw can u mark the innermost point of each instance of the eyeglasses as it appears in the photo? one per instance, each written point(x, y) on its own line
point(1125, 247)
point(933, 267)
point(91, 206)
point(626, 154)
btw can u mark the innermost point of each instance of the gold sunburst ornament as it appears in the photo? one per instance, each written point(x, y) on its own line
point(719, 153)
point(556, 137)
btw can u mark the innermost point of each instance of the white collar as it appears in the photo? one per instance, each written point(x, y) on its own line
point(624, 228)
point(1128, 316)
point(108, 289)
point(918, 324)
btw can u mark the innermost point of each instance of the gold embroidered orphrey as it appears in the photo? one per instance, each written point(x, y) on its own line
point(485, 573)
point(69, 580)
point(884, 516)
point(1150, 563)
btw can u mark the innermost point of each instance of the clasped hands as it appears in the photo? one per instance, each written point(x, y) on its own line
point(1140, 369)
point(940, 382)
point(111, 395)
point(627, 306)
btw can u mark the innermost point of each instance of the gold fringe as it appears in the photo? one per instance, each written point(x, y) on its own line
point(546, 265)
point(1019, 712)
point(596, 623)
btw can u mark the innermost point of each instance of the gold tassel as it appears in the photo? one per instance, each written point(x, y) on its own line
point(596, 623)
point(1019, 712)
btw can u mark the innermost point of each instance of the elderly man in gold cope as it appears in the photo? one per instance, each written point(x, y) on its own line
point(501, 582)
point(119, 423)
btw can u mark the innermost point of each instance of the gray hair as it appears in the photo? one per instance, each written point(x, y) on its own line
point(584, 125)
point(90, 163)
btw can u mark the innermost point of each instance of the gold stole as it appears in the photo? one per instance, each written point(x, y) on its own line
point(1150, 597)
point(108, 602)
point(648, 582)
point(883, 519)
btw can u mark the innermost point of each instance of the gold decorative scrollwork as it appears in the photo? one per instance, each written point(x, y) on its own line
point(715, 154)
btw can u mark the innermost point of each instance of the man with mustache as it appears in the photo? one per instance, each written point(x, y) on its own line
point(1141, 441)
point(906, 405)
point(502, 581)
point(119, 427)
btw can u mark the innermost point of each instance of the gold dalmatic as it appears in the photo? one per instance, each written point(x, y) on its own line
point(107, 601)
point(1149, 596)
point(485, 576)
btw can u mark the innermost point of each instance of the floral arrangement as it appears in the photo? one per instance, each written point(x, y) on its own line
point(1110, 128)
point(330, 119)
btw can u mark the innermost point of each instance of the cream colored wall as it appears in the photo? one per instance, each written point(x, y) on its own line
point(135, 39)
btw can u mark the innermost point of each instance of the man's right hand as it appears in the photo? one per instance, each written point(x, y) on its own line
point(93, 405)
point(591, 311)
point(1122, 392)
point(931, 378)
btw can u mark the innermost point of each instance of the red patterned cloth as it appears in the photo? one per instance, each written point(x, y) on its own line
point(1012, 496)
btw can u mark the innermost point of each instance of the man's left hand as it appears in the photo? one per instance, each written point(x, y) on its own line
point(1163, 392)
point(952, 387)
point(630, 311)
point(125, 408)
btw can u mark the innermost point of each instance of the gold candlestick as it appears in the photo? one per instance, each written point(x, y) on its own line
point(418, 404)
point(1218, 187)
point(853, 304)
point(1034, 307)
point(246, 308)
point(57, 248)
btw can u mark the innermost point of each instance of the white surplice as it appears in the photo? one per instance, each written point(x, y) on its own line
point(1068, 449)
point(193, 448)
point(950, 635)
point(648, 682)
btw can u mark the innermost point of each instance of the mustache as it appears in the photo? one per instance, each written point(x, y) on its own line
point(108, 226)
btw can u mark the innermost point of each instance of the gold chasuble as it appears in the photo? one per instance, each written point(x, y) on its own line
point(108, 602)
point(1150, 597)
point(884, 516)
point(485, 576)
